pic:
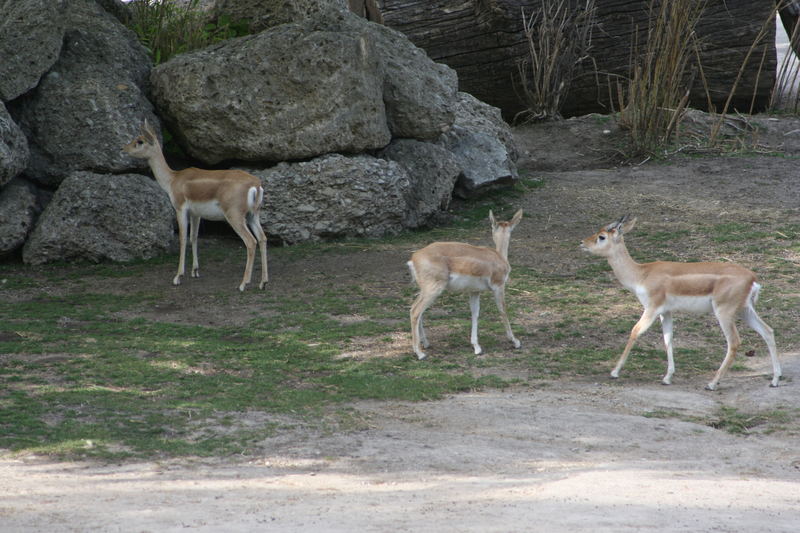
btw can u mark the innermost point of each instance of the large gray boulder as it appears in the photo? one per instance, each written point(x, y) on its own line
point(432, 172)
point(333, 196)
point(472, 114)
point(98, 217)
point(19, 208)
point(299, 90)
point(419, 94)
point(283, 94)
point(31, 33)
point(13, 148)
point(484, 146)
point(84, 108)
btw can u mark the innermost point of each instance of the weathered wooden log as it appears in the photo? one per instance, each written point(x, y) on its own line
point(483, 41)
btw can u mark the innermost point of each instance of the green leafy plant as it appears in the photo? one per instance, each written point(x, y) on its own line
point(168, 28)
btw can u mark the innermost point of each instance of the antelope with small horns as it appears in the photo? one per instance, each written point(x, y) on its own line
point(725, 289)
point(463, 268)
point(231, 195)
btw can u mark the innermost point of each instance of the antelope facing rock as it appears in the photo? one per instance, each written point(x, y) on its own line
point(724, 289)
point(463, 268)
point(232, 195)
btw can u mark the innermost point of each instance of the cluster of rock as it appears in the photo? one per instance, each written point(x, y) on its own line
point(352, 129)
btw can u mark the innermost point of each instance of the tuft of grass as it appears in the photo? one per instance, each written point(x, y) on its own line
point(168, 27)
point(734, 421)
point(654, 97)
point(559, 39)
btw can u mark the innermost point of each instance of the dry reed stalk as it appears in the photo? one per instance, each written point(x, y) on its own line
point(559, 37)
point(656, 94)
point(788, 74)
point(758, 41)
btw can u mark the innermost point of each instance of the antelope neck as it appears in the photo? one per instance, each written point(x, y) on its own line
point(161, 169)
point(624, 267)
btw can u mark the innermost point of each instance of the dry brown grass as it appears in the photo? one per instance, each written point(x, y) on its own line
point(559, 39)
point(654, 97)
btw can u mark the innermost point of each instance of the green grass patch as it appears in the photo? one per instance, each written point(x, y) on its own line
point(88, 374)
point(735, 421)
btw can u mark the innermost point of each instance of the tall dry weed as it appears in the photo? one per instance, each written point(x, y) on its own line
point(559, 39)
point(653, 99)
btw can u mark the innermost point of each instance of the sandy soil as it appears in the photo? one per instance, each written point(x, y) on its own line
point(557, 456)
point(562, 457)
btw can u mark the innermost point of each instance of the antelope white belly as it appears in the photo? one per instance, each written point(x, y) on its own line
point(207, 210)
point(692, 304)
point(461, 282)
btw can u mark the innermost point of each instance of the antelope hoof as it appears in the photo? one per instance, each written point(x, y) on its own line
point(614, 374)
point(477, 349)
point(420, 355)
point(711, 386)
point(775, 381)
point(516, 342)
point(195, 273)
point(176, 280)
point(261, 285)
point(666, 381)
point(242, 286)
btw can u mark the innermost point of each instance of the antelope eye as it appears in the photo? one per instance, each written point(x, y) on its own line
point(601, 237)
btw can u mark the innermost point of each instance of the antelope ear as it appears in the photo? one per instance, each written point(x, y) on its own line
point(626, 224)
point(516, 218)
point(149, 132)
point(617, 224)
point(492, 219)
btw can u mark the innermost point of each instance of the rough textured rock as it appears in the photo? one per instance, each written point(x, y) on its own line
point(283, 94)
point(336, 84)
point(266, 14)
point(100, 217)
point(333, 196)
point(472, 114)
point(19, 208)
point(101, 74)
point(13, 148)
point(117, 8)
point(483, 146)
point(432, 172)
point(483, 158)
point(418, 92)
point(483, 41)
point(31, 33)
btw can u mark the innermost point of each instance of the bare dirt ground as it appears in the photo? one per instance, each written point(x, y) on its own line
point(562, 455)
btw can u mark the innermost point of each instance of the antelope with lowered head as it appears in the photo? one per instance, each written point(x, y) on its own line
point(232, 195)
point(724, 289)
point(463, 268)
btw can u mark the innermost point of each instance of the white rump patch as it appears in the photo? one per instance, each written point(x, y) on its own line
point(255, 195)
